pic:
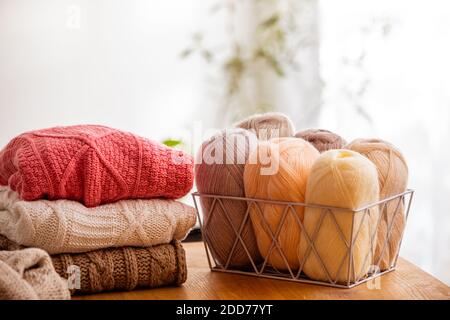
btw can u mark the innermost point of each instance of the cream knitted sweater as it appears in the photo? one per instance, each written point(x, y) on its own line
point(67, 226)
point(28, 274)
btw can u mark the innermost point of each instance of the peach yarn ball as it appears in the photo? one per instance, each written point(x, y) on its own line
point(393, 180)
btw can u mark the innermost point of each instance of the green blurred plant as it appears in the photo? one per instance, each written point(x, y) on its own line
point(272, 45)
point(379, 27)
point(172, 142)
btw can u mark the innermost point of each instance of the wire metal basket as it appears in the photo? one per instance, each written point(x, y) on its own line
point(389, 208)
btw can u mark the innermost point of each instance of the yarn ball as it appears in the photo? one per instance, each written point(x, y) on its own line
point(293, 159)
point(393, 179)
point(268, 125)
point(341, 179)
point(322, 139)
point(219, 170)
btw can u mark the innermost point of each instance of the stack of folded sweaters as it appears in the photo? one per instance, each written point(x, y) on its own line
point(100, 201)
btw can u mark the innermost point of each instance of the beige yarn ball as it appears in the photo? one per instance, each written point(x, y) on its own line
point(393, 180)
point(268, 125)
point(232, 148)
point(294, 158)
point(323, 140)
point(342, 179)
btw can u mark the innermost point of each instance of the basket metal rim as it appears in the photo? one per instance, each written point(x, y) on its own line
point(304, 280)
point(302, 204)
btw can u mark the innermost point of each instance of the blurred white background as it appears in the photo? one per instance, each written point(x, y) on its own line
point(370, 69)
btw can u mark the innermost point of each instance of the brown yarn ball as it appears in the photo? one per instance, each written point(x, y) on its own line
point(322, 140)
point(287, 182)
point(226, 179)
point(268, 125)
point(393, 179)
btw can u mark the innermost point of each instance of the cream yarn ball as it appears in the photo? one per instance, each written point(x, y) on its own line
point(342, 179)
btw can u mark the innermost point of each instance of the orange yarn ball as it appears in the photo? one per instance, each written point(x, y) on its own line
point(293, 159)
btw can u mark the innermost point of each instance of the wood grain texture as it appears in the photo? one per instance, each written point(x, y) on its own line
point(407, 282)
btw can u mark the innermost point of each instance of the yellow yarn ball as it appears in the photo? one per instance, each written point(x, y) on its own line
point(268, 125)
point(343, 179)
point(393, 180)
point(294, 159)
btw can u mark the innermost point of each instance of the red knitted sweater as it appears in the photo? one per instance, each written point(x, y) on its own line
point(93, 164)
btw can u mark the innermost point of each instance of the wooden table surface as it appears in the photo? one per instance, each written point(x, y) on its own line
point(407, 282)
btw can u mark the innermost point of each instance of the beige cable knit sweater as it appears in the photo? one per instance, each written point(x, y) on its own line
point(28, 274)
point(67, 226)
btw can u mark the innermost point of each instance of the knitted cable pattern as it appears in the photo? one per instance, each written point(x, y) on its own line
point(94, 165)
point(28, 274)
point(63, 226)
point(125, 268)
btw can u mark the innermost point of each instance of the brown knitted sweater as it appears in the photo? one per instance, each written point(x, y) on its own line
point(124, 268)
